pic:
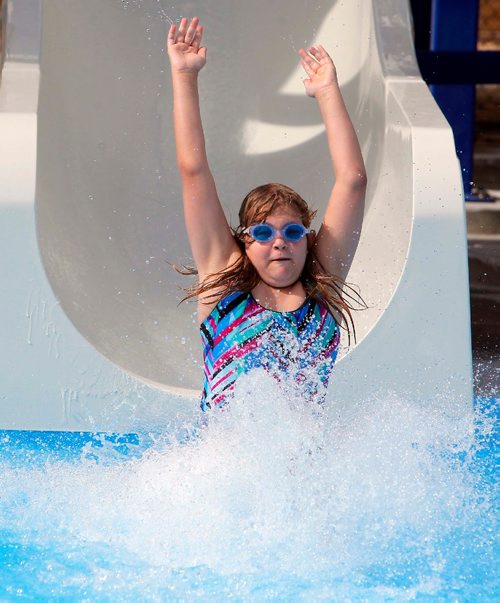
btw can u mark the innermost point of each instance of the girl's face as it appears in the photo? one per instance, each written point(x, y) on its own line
point(279, 262)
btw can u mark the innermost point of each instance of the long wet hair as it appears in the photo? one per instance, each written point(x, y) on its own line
point(319, 284)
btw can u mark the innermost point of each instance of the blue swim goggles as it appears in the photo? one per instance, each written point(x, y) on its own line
point(264, 233)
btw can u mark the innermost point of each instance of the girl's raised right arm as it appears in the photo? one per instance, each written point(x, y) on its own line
point(212, 244)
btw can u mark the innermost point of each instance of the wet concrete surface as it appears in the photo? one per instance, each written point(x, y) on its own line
point(484, 279)
point(483, 226)
point(484, 286)
point(486, 369)
point(484, 282)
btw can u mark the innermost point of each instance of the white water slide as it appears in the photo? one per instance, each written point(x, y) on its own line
point(92, 334)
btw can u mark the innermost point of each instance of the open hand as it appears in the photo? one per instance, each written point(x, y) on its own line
point(184, 46)
point(320, 70)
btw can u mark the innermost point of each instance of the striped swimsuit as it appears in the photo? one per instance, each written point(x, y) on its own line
point(240, 335)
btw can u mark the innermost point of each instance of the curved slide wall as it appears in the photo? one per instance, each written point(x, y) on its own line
point(106, 345)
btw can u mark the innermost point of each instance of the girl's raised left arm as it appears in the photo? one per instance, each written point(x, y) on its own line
point(338, 236)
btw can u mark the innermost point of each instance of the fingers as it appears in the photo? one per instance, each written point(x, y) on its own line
point(171, 35)
point(197, 38)
point(191, 31)
point(308, 62)
point(182, 30)
point(188, 34)
point(319, 53)
point(314, 55)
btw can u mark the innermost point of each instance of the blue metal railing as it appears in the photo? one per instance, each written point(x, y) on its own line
point(446, 47)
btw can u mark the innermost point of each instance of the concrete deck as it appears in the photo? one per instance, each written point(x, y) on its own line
point(483, 234)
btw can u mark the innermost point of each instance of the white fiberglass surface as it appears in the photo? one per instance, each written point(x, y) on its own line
point(109, 217)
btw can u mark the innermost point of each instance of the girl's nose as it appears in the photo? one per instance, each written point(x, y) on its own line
point(279, 242)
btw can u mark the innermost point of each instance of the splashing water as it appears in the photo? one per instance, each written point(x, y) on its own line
point(267, 499)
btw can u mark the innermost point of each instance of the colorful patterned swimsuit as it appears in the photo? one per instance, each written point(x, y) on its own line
point(240, 335)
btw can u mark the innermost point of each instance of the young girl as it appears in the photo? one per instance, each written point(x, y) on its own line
point(268, 291)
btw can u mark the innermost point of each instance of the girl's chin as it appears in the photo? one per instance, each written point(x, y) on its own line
point(280, 283)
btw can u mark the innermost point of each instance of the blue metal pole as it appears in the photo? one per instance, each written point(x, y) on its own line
point(454, 27)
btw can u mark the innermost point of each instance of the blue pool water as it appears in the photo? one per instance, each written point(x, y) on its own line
point(392, 501)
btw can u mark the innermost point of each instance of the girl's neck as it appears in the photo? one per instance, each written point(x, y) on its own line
point(279, 299)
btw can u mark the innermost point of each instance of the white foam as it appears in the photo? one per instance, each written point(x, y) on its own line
point(268, 485)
